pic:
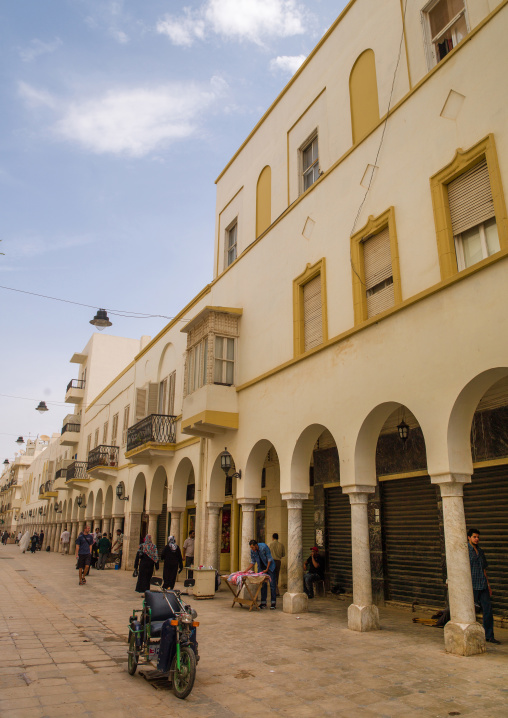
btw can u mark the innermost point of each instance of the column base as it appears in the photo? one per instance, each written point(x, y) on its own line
point(295, 603)
point(362, 618)
point(464, 639)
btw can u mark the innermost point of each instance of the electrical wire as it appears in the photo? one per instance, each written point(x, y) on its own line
point(380, 141)
point(114, 312)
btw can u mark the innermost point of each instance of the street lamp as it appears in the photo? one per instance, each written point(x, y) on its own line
point(42, 407)
point(79, 501)
point(20, 440)
point(101, 320)
point(403, 430)
point(119, 492)
point(6, 462)
point(226, 462)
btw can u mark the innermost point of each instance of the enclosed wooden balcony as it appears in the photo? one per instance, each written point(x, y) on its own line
point(210, 410)
point(153, 436)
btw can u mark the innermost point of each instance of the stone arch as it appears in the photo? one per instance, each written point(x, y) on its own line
point(89, 506)
point(98, 504)
point(166, 362)
point(108, 502)
point(461, 418)
point(217, 482)
point(363, 470)
point(363, 95)
point(300, 460)
point(75, 509)
point(264, 200)
point(137, 499)
point(158, 490)
point(178, 497)
point(251, 479)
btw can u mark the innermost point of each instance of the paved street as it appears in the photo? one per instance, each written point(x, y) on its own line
point(64, 654)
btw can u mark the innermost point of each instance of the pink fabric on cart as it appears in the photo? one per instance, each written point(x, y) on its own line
point(238, 575)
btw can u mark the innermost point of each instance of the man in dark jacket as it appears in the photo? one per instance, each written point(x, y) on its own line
point(481, 587)
point(104, 549)
point(314, 566)
point(83, 553)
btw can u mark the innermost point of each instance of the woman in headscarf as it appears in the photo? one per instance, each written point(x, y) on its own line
point(172, 557)
point(147, 559)
point(24, 542)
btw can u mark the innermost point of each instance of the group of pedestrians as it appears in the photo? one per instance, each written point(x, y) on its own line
point(95, 549)
point(147, 561)
point(32, 543)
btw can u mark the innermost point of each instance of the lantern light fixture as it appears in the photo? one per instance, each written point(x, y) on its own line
point(101, 320)
point(119, 492)
point(403, 430)
point(79, 500)
point(226, 462)
point(42, 407)
point(20, 440)
point(6, 462)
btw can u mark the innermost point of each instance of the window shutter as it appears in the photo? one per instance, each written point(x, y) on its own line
point(470, 198)
point(377, 258)
point(51, 470)
point(140, 412)
point(379, 301)
point(153, 398)
point(312, 313)
point(163, 396)
point(114, 430)
point(171, 394)
point(125, 424)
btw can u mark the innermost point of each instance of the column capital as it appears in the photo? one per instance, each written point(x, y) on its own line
point(248, 504)
point(451, 484)
point(353, 489)
point(294, 500)
point(176, 509)
point(214, 506)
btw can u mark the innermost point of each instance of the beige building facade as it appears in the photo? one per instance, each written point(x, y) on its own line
point(351, 351)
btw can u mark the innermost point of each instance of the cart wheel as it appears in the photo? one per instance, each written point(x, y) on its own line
point(183, 679)
point(133, 655)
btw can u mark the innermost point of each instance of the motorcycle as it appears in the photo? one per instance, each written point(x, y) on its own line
point(164, 630)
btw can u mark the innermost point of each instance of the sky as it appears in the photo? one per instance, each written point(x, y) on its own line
point(117, 117)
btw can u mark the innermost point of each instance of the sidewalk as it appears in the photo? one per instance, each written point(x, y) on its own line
point(63, 653)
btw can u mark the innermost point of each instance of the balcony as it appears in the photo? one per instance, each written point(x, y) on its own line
point(103, 461)
point(75, 391)
point(61, 475)
point(210, 410)
point(153, 436)
point(49, 491)
point(70, 434)
point(76, 472)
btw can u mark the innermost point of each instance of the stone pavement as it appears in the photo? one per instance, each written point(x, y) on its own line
point(63, 653)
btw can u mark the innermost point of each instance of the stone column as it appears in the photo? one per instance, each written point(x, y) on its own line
point(212, 543)
point(176, 524)
point(131, 541)
point(81, 526)
point(74, 536)
point(462, 634)
point(96, 523)
point(56, 540)
point(152, 525)
point(362, 614)
point(295, 600)
point(51, 535)
point(248, 529)
point(117, 524)
point(106, 525)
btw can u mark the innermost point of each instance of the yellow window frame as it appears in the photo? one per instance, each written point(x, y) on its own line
point(463, 161)
point(310, 272)
point(374, 226)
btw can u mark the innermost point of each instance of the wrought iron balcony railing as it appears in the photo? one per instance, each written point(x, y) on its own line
point(48, 486)
point(76, 384)
point(76, 470)
point(70, 427)
point(61, 474)
point(103, 456)
point(159, 428)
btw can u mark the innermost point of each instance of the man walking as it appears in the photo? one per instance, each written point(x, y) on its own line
point(278, 552)
point(83, 553)
point(65, 538)
point(118, 546)
point(104, 549)
point(260, 555)
point(481, 587)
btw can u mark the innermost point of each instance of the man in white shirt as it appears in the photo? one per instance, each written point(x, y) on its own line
point(65, 538)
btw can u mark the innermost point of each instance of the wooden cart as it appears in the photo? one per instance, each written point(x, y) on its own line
point(247, 583)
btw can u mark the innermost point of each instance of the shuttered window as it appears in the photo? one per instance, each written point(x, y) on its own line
point(114, 430)
point(140, 405)
point(125, 424)
point(105, 433)
point(377, 262)
point(472, 213)
point(96, 438)
point(312, 313)
point(163, 395)
point(197, 366)
point(224, 361)
point(153, 399)
point(171, 393)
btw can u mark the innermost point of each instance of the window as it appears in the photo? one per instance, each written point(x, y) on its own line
point(224, 363)
point(468, 202)
point(472, 214)
point(96, 438)
point(88, 444)
point(231, 243)
point(310, 163)
point(114, 430)
point(309, 308)
point(196, 366)
point(446, 26)
point(375, 267)
point(167, 395)
point(377, 262)
point(105, 433)
point(125, 424)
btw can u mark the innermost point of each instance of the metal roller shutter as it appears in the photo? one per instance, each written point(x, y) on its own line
point(486, 508)
point(338, 538)
point(162, 534)
point(308, 531)
point(412, 544)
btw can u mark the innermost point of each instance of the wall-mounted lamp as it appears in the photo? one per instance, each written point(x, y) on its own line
point(226, 462)
point(403, 430)
point(58, 508)
point(79, 500)
point(119, 492)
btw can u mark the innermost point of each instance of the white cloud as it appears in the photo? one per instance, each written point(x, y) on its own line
point(38, 47)
point(133, 121)
point(288, 64)
point(120, 36)
point(252, 20)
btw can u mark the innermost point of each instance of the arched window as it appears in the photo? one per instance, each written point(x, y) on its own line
point(264, 201)
point(363, 95)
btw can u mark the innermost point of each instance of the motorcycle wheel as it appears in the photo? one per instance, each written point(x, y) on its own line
point(183, 679)
point(133, 656)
